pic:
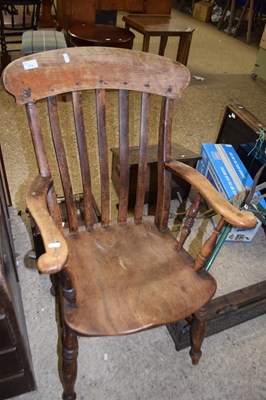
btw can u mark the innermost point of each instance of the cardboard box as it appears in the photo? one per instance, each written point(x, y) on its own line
point(263, 39)
point(203, 10)
point(223, 168)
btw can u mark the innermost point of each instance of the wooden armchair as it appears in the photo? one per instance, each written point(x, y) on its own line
point(16, 16)
point(126, 275)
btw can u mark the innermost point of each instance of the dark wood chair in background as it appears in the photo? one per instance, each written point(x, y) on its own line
point(16, 17)
point(129, 274)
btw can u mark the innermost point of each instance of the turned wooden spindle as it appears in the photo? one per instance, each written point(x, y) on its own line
point(189, 221)
point(69, 365)
point(69, 292)
point(208, 247)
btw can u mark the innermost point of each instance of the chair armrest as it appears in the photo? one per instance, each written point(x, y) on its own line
point(231, 214)
point(56, 252)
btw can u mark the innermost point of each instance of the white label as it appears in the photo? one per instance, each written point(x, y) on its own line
point(30, 64)
point(54, 245)
point(66, 57)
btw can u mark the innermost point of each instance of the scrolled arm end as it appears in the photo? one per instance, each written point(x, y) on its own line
point(56, 252)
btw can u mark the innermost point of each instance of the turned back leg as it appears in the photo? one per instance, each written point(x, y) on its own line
point(198, 328)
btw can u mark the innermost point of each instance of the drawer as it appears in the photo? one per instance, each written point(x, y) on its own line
point(6, 337)
point(10, 362)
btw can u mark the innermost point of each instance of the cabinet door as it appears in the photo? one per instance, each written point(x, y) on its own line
point(16, 370)
point(135, 5)
point(157, 7)
point(109, 5)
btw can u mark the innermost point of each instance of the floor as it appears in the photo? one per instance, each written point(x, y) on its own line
point(146, 365)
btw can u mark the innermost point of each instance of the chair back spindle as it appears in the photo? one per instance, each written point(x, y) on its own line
point(103, 155)
point(84, 159)
point(62, 163)
point(164, 154)
point(143, 157)
point(123, 155)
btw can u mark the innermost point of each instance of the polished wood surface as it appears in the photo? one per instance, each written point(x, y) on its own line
point(162, 26)
point(127, 273)
point(100, 35)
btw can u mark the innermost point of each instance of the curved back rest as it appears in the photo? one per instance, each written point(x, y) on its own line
point(85, 72)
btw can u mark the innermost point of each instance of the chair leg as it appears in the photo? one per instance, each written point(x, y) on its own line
point(198, 328)
point(70, 366)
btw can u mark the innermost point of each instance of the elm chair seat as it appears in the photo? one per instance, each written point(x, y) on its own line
point(100, 35)
point(42, 40)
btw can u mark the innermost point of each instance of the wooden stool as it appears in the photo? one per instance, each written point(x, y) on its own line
point(163, 26)
point(100, 35)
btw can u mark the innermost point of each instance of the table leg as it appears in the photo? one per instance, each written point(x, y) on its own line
point(146, 43)
point(163, 43)
point(184, 47)
point(250, 20)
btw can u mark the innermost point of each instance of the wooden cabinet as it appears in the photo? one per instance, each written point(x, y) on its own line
point(72, 11)
point(16, 371)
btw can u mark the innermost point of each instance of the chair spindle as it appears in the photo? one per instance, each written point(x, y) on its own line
point(164, 153)
point(189, 221)
point(84, 159)
point(143, 158)
point(62, 163)
point(123, 155)
point(103, 155)
point(208, 247)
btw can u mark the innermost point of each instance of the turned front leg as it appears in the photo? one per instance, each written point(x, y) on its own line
point(69, 366)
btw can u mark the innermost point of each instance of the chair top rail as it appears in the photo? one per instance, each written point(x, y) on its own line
point(53, 72)
point(19, 2)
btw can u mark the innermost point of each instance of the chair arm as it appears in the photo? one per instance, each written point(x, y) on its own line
point(231, 214)
point(56, 252)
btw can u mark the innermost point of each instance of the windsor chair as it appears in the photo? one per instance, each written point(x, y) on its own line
point(16, 17)
point(128, 273)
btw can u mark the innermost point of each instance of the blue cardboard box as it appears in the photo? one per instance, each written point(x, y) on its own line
point(223, 168)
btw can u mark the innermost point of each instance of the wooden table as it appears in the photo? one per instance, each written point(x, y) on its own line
point(100, 35)
point(163, 26)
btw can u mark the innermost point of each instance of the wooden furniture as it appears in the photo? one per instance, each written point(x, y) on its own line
point(240, 128)
point(179, 188)
point(16, 370)
point(69, 12)
point(16, 16)
point(127, 274)
point(100, 35)
point(162, 26)
point(248, 9)
point(260, 65)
